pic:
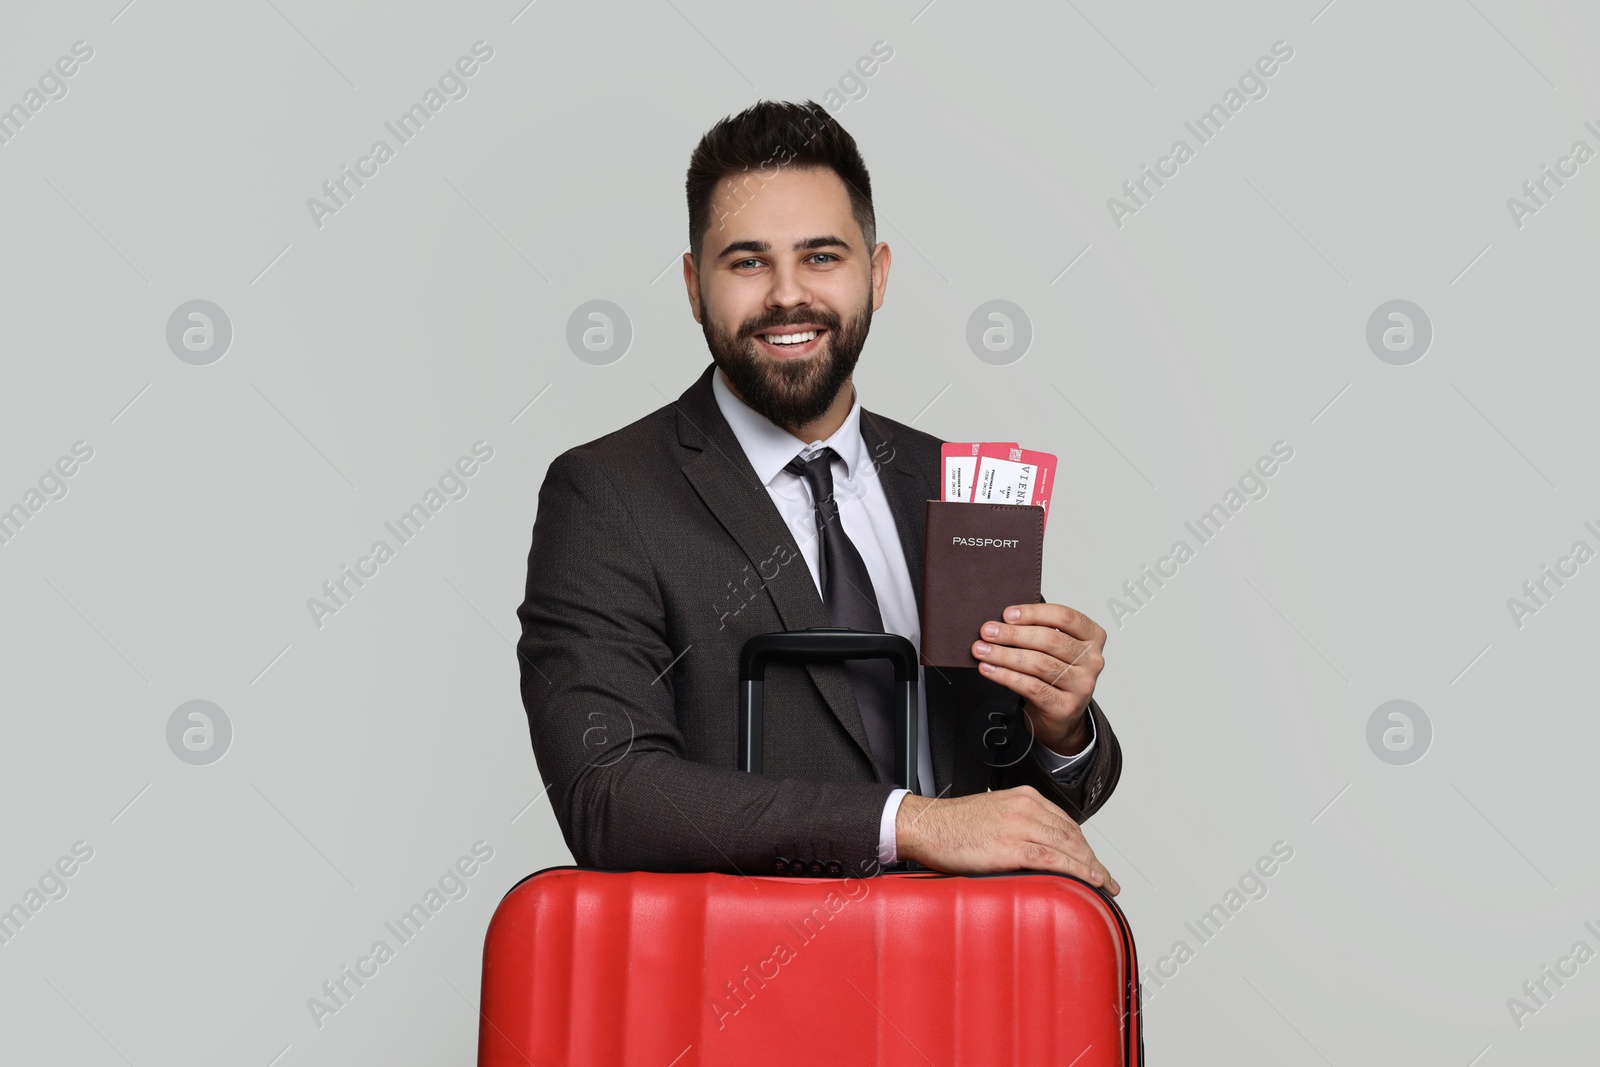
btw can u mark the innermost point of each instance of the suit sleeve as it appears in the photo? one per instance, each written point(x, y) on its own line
point(1091, 784)
point(594, 658)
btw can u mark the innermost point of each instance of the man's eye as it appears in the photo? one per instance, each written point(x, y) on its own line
point(743, 263)
point(825, 255)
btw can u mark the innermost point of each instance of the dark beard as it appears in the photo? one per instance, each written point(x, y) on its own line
point(790, 394)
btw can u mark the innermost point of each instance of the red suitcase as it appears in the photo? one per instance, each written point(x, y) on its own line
point(598, 968)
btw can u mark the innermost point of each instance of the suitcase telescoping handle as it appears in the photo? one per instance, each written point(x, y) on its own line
point(829, 644)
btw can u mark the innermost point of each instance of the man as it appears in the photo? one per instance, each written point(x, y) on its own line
point(766, 498)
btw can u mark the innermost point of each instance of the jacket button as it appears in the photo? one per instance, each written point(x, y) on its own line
point(816, 866)
point(780, 865)
point(835, 867)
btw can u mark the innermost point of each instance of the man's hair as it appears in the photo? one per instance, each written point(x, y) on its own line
point(753, 144)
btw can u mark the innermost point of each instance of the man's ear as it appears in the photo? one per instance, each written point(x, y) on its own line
point(691, 284)
point(880, 273)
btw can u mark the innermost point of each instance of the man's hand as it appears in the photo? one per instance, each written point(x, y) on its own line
point(1002, 830)
point(1051, 655)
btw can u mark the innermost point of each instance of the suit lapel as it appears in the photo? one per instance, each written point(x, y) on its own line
point(720, 473)
point(905, 488)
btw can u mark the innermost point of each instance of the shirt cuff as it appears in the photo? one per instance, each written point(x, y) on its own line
point(886, 842)
point(1056, 764)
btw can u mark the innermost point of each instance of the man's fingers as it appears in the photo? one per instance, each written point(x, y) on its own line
point(1039, 664)
point(1038, 856)
point(1028, 686)
point(1098, 875)
point(1035, 855)
point(1045, 653)
point(1010, 829)
point(1059, 616)
point(1062, 646)
point(1059, 831)
point(1076, 848)
point(1043, 680)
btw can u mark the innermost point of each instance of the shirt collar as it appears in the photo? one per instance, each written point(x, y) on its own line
point(770, 447)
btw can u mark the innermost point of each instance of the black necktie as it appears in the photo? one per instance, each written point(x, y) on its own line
point(850, 601)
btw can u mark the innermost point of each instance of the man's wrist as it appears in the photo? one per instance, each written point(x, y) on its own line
point(1066, 767)
point(1075, 740)
point(907, 840)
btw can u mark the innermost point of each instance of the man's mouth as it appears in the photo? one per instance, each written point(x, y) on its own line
point(789, 341)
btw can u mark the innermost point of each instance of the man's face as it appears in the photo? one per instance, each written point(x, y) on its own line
point(785, 290)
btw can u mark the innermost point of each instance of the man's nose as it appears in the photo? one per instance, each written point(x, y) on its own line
point(788, 287)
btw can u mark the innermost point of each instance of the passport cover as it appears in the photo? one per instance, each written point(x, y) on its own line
point(977, 560)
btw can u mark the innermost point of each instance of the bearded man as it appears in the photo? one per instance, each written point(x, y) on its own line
point(767, 498)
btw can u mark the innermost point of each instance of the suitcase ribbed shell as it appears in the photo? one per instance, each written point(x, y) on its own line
point(595, 968)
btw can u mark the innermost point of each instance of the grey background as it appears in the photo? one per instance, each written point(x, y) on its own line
point(367, 355)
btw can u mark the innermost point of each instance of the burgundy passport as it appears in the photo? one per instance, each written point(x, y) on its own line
point(977, 560)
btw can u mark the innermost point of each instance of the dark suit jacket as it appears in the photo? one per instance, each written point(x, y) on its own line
point(656, 553)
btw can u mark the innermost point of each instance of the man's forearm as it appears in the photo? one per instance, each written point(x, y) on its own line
point(664, 813)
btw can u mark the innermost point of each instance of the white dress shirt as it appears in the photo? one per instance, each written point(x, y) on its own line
point(868, 522)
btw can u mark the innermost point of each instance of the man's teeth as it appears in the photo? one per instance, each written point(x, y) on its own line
point(789, 338)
